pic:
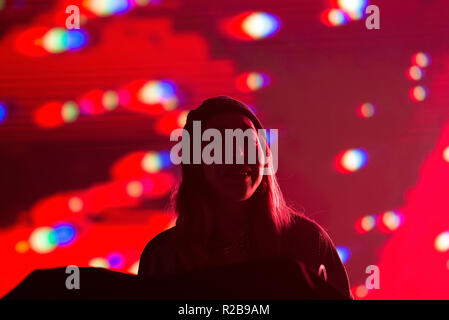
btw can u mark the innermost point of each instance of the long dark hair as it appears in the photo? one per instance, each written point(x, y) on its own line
point(192, 201)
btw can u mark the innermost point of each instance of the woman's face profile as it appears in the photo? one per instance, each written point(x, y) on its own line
point(234, 182)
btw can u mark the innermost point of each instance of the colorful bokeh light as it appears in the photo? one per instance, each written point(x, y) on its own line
point(442, 242)
point(260, 25)
point(3, 112)
point(54, 114)
point(354, 8)
point(115, 260)
point(415, 73)
point(151, 163)
point(366, 223)
point(171, 121)
point(351, 160)
point(271, 137)
point(251, 25)
point(105, 8)
point(334, 17)
point(134, 269)
point(110, 100)
point(360, 291)
point(154, 161)
point(421, 59)
point(58, 40)
point(69, 111)
point(91, 102)
point(75, 204)
point(418, 93)
point(134, 189)
point(446, 154)
point(55, 40)
point(43, 240)
point(150, 97)
point(344, 253)
point(390, 221)
point(366, 110)
point(76, 39)
point(22, 246)
point(65, 233)
point(159, 92)
point(252, 81)
point(99, 262)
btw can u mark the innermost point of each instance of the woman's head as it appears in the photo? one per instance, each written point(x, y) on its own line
point(234, 182)
point(203, 186)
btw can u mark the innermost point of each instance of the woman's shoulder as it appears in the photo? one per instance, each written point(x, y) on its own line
point(304, 233)
point(158, 255)
point(301, 225)
point(309, 242)
point(162, 241)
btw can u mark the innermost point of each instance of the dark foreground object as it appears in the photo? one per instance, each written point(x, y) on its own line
point(259, 279)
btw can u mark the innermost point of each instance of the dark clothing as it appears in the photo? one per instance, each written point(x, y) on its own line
point(309, 243)
point(304, 240)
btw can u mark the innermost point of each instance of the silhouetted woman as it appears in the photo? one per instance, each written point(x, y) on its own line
point(230, 213)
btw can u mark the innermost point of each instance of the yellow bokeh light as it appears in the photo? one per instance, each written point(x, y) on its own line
point(361, 291)
point(419, 93)
point(182, 119)
point(150, 93)
point(22, 246)
point(43, 240)
point(391, 220)
point(134, 269)
point(368, 223)
point(422, 59)
point(442, 241)
point(446, 154)
point(110, 100)
point(415, 73)
point(75, 204)
point(134, 189)
point(99, 263)
point(151, 162)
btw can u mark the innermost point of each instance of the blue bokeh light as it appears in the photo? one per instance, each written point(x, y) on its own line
point(3, 112)
point(344, 253)
point(76, 39)
point(65, 233)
